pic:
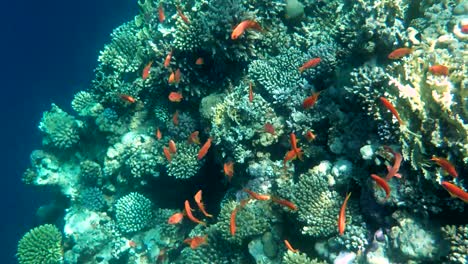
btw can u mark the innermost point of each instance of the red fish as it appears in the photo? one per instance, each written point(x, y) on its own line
point(290, 155)
point(294, 147)
point(243, 26)
point(393, 171)
point(195, 242)
point(174, 78)
point(439, 70)
point(228, 169)
point(310, 101)
point(310, 136)
point(232, 222)
point(193, 138)
point(392, 109)
point(283, 202)
point(181, 14)
point(446, 165)
point(204, 149)
point(172, 146)
point(257, 196)
point(158, 134)
point(289, 247)
point(175, 118)
point(146, 71)
point(198, 200)
point(167, 153)
point(464, 29)
point(190, 216)
point(269, 128)
point(455, 191)
point(175, 97)
point(399, 53)
point(127, 98)
point(175, 218)
point(309, 64)
point(382, 184)
point(161, 14)
point(251, 96)
point(200, 61)
point(167, 61)
point(342, 216)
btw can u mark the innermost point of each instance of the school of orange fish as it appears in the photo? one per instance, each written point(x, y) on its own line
point(295, 152)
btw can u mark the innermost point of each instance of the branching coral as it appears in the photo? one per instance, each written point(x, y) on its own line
point(61, 130)
point(290, 257)
point(42, 244)
point(90, 173)
point(457, 236)
point(184, 164)
point(92, 199)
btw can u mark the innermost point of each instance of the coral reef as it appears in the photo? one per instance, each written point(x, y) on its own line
point(42, 244)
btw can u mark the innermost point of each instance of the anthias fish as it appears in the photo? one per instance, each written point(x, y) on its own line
point(243, 26)
point(342, 216)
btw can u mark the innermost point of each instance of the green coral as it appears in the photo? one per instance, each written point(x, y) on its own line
point(317, 203)
point(457, 236)
point(184, 163)
point(60, 129)
point(252, 220)
point(41, 245)
point(290, 257)
point(133, 212)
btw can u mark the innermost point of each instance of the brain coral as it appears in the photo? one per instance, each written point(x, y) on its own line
point(60, 129)
point(133, 212)
point(40, 245)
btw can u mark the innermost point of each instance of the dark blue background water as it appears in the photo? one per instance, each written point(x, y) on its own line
point(48, 50)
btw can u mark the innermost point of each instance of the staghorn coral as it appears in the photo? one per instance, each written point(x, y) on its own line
point(457, 236)
point(60, 130)
point(184, 163)
point(42, 244)
point(133, 212)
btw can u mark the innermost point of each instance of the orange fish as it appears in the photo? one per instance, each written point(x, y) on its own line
point(286, 203)
point(342, 216)
point(158, 134)
point(204, 149)
point(200, 61)
point(257, 196)
point(175, 97)
point(309, 64)
point(455, 191)
point(167, 153)
point(446, 165)
point(174, 78)
point(290, 155)
point(439, 70)
point(392, 109)
point(399, 53)
point(311, 100)
point(167, 61)
point(146, 70)
point(127, 98)
point(198, 200)
point(382, 184)
point(232, 222)
point(132, 244)
point(243, 26)
point(393, 171)
point(464, 29)
point(181, 14)
point(269, 128)
point(175, 118)
point(175, 218)
point(172, 146)
point(190, 216)
point(228, 168)
point(161, 14)
point(310, 136)
point(193, 138)
point(197, 241)
point(289, 247)
point(250, 93)
point(294, 147)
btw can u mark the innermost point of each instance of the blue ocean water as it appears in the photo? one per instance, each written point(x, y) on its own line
point(48, 50)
